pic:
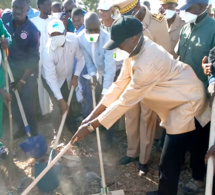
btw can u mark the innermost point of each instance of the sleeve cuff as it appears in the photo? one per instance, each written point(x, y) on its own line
point(104, 91)
point(92, 74)
point(59, 96)
point(211, 80)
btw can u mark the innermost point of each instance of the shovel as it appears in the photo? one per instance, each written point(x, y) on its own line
point(104, 189)
point(36, 146)
point(50, 165)
point(51, 180)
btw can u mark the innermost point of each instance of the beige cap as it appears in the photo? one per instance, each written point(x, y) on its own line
point(125, 6)
point(168, 1)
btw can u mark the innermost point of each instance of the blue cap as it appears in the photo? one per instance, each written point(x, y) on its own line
point(186, 4)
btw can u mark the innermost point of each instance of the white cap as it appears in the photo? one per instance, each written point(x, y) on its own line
point(56, 26)
point(105, 4)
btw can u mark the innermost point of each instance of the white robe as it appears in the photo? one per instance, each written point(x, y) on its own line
point(45, 102)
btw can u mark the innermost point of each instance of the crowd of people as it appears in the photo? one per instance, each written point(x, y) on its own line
point(156, 68)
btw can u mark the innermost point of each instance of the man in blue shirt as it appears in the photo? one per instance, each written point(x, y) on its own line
point(23, 59)
point(83, 91)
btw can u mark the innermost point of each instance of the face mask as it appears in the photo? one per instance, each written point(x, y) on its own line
point(169, 13)
point(92, 38)
point(57, 41)
point(189, 18)
point(57, 15)
point(120, 55)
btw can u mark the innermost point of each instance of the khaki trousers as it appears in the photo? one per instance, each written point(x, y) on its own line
point(140, 124)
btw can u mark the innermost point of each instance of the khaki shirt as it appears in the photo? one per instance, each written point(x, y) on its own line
point(174, 31)
point(155, 28)
point(167, 86)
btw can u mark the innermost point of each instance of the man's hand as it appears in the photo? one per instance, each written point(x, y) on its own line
point(74, 81)
point(65, 20)
point(211, 90)
point(19, 86)
point(5, 96)
point(211, 152)
point(63, 106)
point(80, 134)
point(94, 83)
point(207, 67)
point(4, 43)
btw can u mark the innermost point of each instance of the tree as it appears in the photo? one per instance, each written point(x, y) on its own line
point(89, 5)
point(5, 4)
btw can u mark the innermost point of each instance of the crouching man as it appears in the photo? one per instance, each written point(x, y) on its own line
point(57, 69)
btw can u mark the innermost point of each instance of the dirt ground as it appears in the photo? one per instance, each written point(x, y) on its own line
point(80, 167)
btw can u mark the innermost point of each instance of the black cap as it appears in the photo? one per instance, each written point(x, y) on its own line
point(123, 28)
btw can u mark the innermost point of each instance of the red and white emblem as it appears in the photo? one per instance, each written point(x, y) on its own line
point(23, 35)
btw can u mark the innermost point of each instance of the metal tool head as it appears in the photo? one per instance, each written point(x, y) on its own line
point(115, 192)
point(35, 147)
point(51, 180)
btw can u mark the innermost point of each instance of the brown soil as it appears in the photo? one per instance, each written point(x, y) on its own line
point(83, 159)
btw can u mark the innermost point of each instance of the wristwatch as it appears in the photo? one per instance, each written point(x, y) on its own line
point(90, 128)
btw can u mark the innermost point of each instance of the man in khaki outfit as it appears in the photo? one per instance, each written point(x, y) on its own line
point(165, 85)
point(141, 121)
point(175, 23)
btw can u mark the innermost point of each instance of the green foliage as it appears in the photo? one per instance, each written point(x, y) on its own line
point(89, 5)
point(5, 4)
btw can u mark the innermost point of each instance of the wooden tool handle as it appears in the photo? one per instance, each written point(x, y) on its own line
point(9, 104)
point(19, 102)
point(210, 166)
point(99, 142)
point(63, 119)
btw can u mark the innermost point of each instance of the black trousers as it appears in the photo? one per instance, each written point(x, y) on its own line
point(173, 154)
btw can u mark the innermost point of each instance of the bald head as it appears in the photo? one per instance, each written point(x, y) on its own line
point(92, 22)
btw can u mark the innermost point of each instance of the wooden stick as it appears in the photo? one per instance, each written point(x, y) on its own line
point(9, 104)
point(210, 164)
point(11, 162)
point(62, 123)
point(99, 144)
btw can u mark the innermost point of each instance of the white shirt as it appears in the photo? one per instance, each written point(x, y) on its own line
point(41, 25)
point(58, 64)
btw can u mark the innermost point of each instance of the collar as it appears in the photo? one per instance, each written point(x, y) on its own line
point(147, 19)
point(201, 23)
point(176, 23)
point(80, 29)
point(141, 49)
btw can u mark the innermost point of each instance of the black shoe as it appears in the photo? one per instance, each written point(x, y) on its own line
point(19, 134)
point(152, 193)
point(125, 160)
point(143, 169)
